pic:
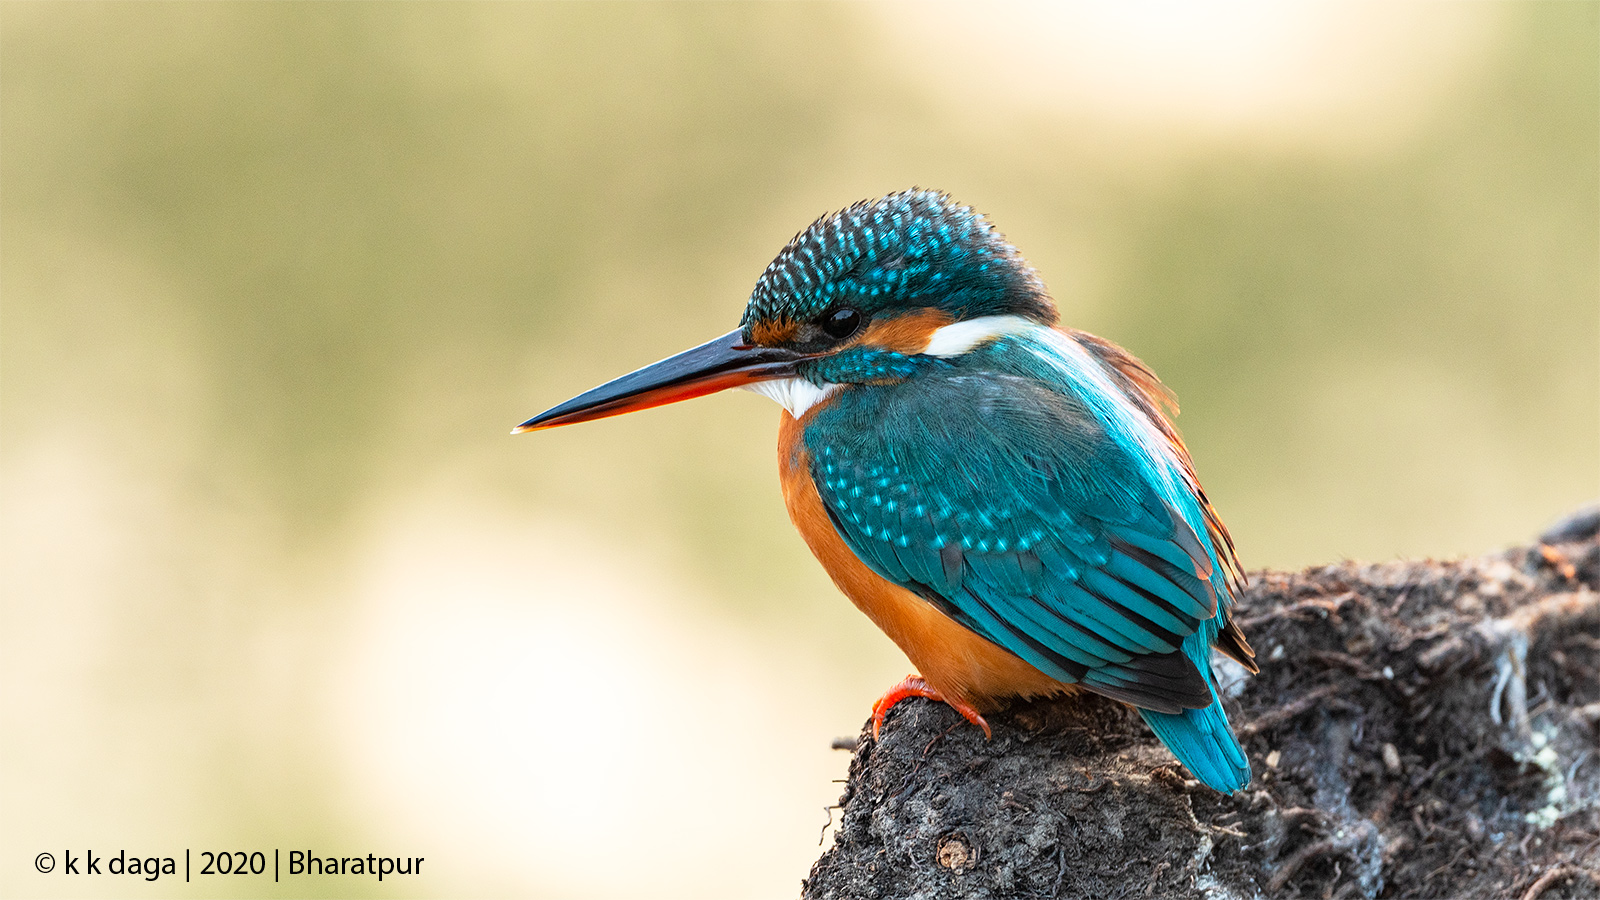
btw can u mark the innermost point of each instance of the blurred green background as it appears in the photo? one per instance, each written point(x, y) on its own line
point(278, 278)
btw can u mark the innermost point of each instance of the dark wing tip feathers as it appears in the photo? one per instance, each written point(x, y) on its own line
point(1232, 643)
point(1162, 682)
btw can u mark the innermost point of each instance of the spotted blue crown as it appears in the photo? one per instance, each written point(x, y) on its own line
point(916, 248)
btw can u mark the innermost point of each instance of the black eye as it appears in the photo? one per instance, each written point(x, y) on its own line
point(841, 323)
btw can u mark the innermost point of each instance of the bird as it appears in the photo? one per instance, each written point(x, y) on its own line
point(1005, 497)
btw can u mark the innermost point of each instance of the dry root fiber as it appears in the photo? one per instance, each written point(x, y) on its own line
point(1418, 729)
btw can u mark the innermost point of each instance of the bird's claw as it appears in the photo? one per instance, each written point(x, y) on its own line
point(915, 686)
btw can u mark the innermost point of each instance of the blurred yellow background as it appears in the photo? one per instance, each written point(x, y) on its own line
point(277, 279)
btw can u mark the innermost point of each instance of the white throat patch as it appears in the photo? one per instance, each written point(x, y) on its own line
point(794, 393)
point(798, 395)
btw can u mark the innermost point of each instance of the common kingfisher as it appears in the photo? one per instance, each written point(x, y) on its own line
point(1004, 497)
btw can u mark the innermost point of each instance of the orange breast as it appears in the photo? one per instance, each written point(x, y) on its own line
point(954, 660)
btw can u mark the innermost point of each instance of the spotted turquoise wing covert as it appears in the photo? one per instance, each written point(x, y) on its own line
point(1007, 502)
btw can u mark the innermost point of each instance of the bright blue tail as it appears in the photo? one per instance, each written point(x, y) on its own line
point(1203, 742)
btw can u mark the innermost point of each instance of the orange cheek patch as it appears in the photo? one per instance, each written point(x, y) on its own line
point(908, 334)
point(773, 333)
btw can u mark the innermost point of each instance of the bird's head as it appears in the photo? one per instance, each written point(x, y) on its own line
point(853, 298)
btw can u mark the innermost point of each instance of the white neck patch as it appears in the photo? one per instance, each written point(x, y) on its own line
point(798, 395)
point(794, 393)
point(960, 337)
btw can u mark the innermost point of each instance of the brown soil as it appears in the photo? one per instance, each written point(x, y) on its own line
point(1418, 729)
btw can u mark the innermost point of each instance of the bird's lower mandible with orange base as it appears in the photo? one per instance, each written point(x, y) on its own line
point(1005, 497)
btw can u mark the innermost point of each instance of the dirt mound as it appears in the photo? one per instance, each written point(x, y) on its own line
point(1418, 729)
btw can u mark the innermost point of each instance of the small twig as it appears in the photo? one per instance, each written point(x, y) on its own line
point(1344, 660)
point(1421, 778)
point(1449, 865)
point(939, 737)
point(1287, 711)
point(1572, 771)
point(1233, 831)
point(1300, 858)
point(1155, 878)
point(1328, 608)
point(1299, 815)
point(1348, 889)
point(1554, 875)
point(823, 834)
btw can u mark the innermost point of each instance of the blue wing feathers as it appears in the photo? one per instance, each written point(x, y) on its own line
point(1181, 591)
point(1069, 643)
point(917, 564)
point(1131, 603)
point(1013, 638)
point(1168, 549)
point(1083, 636)
point(1202, 741)
point(1061, 563)
point(1004, 572)
point(1109, 623)
point(1015, 501)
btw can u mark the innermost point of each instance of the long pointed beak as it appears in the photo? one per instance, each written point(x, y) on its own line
point(713, 366)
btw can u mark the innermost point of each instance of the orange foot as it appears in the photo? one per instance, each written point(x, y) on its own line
point(914, 686)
